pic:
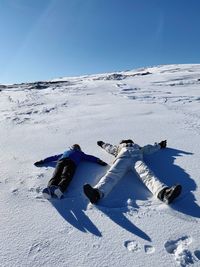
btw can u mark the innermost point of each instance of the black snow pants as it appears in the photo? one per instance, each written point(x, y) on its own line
point(63, 174)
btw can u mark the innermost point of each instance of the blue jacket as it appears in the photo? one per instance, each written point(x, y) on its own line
point(75, 155)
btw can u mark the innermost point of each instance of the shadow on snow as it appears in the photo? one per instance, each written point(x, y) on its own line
point(115, 206)
point(162, 164)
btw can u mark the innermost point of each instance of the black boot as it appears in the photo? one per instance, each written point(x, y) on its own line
point(168, 194)
point(91, 193)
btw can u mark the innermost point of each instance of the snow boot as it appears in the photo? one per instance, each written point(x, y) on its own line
point(168, 194)
point(91, 193)
point(55, 191)
point(47, 193)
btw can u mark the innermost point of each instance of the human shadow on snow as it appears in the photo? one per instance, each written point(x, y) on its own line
point(163, 165)
point(129, 191)
point(116, 204)
point(72, 208)
point(118, 215)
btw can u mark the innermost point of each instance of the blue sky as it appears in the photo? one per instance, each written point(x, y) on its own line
point(45, 39)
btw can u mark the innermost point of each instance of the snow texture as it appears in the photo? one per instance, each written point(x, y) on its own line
point(130, 227)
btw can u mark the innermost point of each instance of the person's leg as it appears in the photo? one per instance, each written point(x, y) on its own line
point(148, 178)
point(113, 176)
point(108, 181)
point(54, 181)
point(56, 177)
point(67, 175)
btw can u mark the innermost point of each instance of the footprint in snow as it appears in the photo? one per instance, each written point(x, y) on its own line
point(179, 249)
point(15, 191)
point(149, 249)
point(37, 189)
point(134, 246)
point(36, 192)
point(37, 247)
point(40, 176)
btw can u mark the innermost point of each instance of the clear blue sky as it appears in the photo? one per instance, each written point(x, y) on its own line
point(45, 39)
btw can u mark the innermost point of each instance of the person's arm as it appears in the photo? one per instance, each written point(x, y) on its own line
point(47, 160)
point(150, 149)
point(113, 150)
point(93, 159)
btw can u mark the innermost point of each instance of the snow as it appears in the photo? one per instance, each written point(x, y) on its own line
point(130, 227)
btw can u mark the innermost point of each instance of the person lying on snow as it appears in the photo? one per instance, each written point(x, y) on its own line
point(129, 156)
point(65, 169)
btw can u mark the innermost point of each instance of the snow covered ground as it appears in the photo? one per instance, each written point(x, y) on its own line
point(130, 227)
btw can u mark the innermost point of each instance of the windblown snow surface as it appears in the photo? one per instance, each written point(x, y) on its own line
point(130, 227)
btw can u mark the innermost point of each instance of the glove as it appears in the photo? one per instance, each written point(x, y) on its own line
point(100, 143)
point(163, 144)
point(38, 163)
point(101, 162)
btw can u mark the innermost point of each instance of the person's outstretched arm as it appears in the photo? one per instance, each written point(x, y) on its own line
point(47, 160)
point(150, 149)
point(94, 159)
point(108, 148)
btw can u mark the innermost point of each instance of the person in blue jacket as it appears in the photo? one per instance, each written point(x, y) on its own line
point(65, 169)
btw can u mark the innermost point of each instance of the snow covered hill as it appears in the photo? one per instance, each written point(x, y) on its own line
point(130, 227)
